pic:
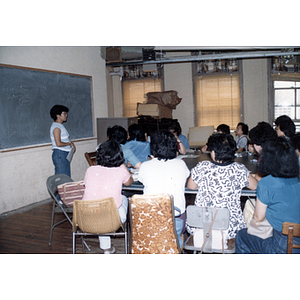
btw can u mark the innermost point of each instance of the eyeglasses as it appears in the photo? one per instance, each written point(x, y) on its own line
point(64, 113)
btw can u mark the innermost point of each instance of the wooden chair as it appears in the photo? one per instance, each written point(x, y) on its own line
point(198, 136)
point(152, 224)
point(91, 157)
point(291, 230)
point(97, 217)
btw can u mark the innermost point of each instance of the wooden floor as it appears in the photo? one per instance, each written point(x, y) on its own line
point(26, 231)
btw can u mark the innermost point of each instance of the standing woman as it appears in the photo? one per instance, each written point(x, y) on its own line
point(61, 144)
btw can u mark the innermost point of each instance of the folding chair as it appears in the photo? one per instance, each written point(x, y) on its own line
point(152, 224)
point(91, 157)
point(97, 217)
point(58, 206)
point(291, 230)
point(213, 222)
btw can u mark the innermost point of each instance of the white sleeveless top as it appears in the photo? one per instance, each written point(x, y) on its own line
point(64, 136)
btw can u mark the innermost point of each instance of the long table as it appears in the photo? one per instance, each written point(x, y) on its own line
point(193, 158)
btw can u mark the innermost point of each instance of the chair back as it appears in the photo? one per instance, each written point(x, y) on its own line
point(198, 136)
point(212, 226)
point(54, 181)
point(198, 216)
point(153, 225)
point(91, 158)
point(96, 216)
point(291, 230)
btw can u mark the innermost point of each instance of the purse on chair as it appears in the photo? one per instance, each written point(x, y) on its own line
point(71, 191)
point(212, 226)
point(262, 229)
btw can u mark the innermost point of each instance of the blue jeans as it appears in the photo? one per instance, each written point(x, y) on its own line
point(61, 164)
point(277, 244)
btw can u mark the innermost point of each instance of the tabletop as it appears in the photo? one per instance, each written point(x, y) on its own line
point(192, 158)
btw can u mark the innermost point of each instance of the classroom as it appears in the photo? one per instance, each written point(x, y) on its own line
point(26, 167)
point(35, 162)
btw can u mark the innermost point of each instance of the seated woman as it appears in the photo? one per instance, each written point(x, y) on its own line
point(277, 199)
point(105, 180)
point(222, 128)
point(285, 127)
point(182, 141)
point(241, 137)
point(220, 181)
point(137, 142)
point(166, 174)
point(119, 134)
point(259, 135)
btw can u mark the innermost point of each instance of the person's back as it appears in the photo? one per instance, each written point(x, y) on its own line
point(166, 174)
point(137, 142)
point(119, 134)
point(221, 181)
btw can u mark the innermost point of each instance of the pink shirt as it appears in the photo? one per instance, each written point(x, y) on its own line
point(101, 182)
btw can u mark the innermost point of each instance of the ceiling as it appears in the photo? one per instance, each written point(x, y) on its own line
point(171, 54)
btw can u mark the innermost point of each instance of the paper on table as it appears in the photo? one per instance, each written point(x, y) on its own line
point(70, 155)
point(186, 156)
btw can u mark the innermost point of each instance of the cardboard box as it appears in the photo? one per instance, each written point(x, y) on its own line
point(154, 110)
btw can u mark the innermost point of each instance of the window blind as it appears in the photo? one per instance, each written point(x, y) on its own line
point(135, 91)
point(217, 100)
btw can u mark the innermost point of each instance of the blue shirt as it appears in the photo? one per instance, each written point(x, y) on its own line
point(185, 141)
point(140, 149)
point(129, 155)
point(282, 196)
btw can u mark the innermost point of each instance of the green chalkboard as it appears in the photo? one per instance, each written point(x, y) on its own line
point(26, 97)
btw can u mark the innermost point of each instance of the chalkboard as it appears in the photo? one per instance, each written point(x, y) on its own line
point(26, 97)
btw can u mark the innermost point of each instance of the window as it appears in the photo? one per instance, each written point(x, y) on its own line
point(138, 80)
point(135, 91)
point(287, 99)
point(217, 100)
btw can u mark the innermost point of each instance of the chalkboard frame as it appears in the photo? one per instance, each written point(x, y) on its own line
point(72, 83)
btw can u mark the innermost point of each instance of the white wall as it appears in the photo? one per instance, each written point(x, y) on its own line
point(255, 91)
point(178, 77)
point(23, 173)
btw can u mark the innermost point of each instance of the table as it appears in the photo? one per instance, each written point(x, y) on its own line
point(194, 157)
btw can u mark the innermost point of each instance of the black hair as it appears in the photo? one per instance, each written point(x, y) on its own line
point(117, 133)
point(223, 128)
point(286, 125)
point(136, 132)
point(176, 127)
point(57, 110)
point(296, 141)
point(224, 146)
point(110, 154)
point(163, 145)
point(245, 127)
point(279, 159)
point(261, 133)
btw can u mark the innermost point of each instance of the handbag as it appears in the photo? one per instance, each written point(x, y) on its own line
point(71, 191)
point(262, 229)
point(212, 227)
point(248, 211)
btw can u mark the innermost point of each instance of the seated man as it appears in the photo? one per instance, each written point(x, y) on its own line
point(166, 174)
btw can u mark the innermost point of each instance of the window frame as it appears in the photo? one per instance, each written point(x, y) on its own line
point(160, 76)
